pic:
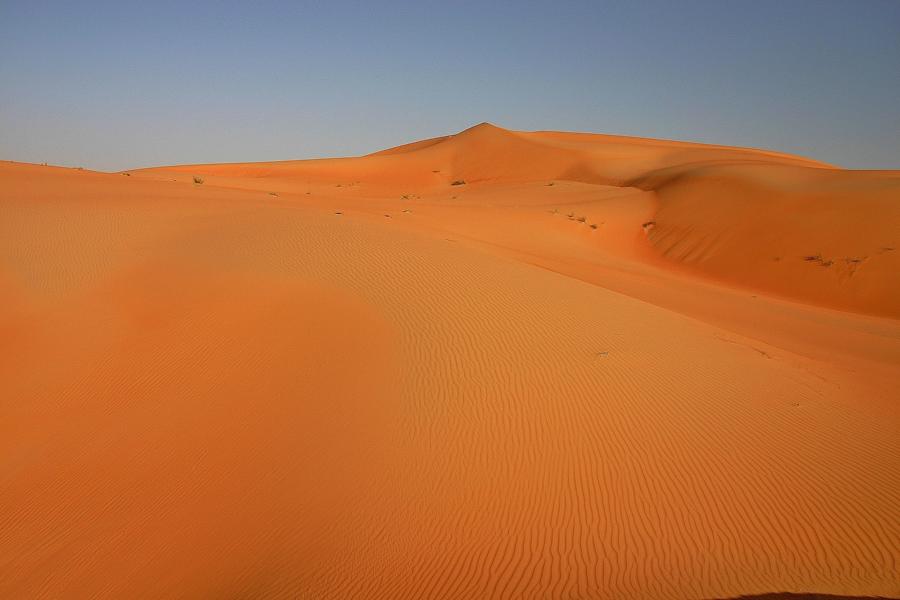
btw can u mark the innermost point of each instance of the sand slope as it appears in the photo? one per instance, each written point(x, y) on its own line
point(351, 378)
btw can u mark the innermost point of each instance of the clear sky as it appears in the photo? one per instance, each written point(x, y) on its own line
point(119, 84)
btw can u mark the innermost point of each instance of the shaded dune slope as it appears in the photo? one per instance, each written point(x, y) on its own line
point(790, 596)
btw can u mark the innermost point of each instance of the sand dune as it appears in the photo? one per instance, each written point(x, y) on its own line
point(777, 223)
point(490, 365)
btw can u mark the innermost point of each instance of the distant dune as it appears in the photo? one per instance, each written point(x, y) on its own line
point(773, 222)
point(495, 364)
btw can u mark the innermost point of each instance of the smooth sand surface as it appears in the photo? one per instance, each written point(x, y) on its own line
point(595, 367)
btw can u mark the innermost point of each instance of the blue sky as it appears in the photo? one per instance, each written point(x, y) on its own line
point(116, 85)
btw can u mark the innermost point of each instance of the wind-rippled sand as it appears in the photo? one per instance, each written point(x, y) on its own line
point(492, 365)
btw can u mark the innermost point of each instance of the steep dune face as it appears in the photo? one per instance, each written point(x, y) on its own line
point(351, 378)
point(828, 237)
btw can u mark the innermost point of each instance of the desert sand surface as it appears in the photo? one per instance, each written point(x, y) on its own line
point(495, 364)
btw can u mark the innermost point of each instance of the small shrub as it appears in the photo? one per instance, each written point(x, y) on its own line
point(581, 219)
point(648, 224)
point(198, 179)
point(459, 182)
point(593, 226)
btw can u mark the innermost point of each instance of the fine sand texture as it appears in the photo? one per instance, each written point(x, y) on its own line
point(495, 364)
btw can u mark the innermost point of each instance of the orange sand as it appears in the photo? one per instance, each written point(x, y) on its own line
point(229, 390)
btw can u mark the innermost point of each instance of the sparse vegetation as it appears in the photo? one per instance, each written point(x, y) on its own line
point(593, 226)
point(551, 184)
point(198, 180)
point(459, 182)
point(854, 263)
point(273, 194)
point(825, 262)
point(581, 219)
point(648, 225)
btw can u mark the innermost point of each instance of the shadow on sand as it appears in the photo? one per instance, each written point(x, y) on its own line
point(793, 596)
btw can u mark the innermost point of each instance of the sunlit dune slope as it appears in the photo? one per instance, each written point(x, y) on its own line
point(464, 368)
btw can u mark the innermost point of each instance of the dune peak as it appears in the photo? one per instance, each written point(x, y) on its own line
point(484, 127)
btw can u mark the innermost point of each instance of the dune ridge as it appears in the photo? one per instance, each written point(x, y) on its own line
point(490, 365)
